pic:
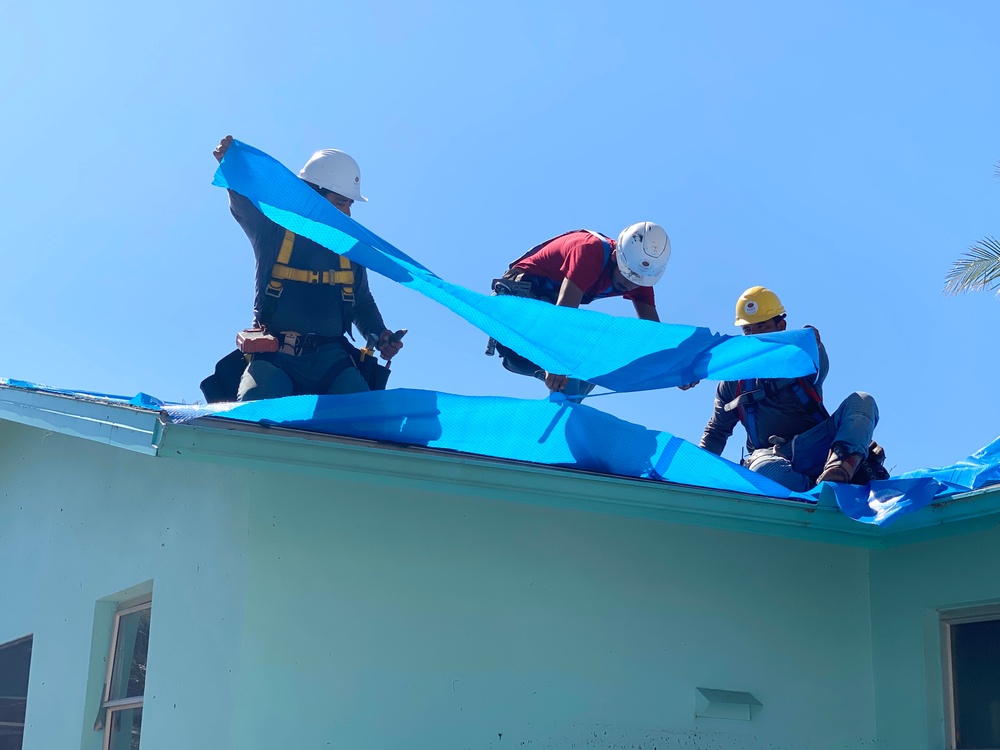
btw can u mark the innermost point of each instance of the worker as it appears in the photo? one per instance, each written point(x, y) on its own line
point(576, 268)
point(791, 438)
point(307, 297)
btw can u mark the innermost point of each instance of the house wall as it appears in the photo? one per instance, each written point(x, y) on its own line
point(386, 616)
point(294, 609)
point(80, 523)
point(910, 587)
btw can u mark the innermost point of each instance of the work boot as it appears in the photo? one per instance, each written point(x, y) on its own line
point(873, 467)
point(840, 465)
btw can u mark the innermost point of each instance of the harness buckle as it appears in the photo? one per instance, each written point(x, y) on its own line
point(512, 287)
point(273, 289)
point(747, 398)
point(291, 343)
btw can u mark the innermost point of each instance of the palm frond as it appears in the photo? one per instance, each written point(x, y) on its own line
point(976, 270)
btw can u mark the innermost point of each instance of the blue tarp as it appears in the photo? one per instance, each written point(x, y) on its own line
point(557, 432)
point(618, 353)
point(621, 354)
point(561, 433)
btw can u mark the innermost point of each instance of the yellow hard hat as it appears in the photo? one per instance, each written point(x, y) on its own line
point(756, 305)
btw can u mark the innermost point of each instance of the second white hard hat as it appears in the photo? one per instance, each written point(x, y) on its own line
point(643, 251)
point(334, 170)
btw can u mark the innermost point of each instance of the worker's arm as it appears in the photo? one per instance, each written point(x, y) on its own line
point(722, 422)
point(646, 311)
point(570, 295)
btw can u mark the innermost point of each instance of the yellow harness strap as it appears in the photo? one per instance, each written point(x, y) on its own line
point(283, 272)
point(285, 253)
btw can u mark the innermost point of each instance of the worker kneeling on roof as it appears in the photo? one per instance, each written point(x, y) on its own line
point(307, 297)
point(791, 438)
point(578, 267)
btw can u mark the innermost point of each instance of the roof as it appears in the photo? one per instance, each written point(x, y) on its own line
point(142, 426)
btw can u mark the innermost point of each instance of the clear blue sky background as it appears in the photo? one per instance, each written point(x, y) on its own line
point(841, 153)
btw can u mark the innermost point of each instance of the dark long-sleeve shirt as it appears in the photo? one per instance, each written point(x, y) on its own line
point(781, 413)
point(302, 307)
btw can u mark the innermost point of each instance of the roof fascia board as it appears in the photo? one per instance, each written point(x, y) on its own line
point(409, 467)
point(119, 425)
point(964, 513)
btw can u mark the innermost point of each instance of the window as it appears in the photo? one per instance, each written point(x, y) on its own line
point(972, 678)
point(121, 706)
point(15, 660)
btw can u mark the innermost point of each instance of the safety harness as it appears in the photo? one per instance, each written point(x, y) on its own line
point(518, 283)
point(751, 392)
point(281, 272)
point(548, 289)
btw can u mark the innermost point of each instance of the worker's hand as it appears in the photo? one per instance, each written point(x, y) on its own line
point(222, 148)
point(689, 385)
point(555, 382)
point(389, 344)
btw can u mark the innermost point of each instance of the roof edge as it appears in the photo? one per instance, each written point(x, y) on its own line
point(120, 425)
point(235, 443)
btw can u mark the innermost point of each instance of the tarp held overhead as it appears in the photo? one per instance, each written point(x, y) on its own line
point(621, 354)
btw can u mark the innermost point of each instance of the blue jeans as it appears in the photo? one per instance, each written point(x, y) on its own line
point(852, 425)
point(275, 374)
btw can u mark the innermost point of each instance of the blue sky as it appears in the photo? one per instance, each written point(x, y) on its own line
point(841, 154)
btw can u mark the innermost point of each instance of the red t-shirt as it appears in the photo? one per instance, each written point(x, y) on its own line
point(579, 257)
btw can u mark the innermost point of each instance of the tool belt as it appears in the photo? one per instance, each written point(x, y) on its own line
point(292, 343)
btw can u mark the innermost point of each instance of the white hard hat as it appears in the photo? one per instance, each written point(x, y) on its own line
point(336, 171)
point(643, 251)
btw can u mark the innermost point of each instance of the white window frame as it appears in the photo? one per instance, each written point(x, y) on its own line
point(109, 707)
point(950, 618)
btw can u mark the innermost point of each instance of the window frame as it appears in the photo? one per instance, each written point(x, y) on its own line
point(30, 638)
point(950, 618)
point(110, 707)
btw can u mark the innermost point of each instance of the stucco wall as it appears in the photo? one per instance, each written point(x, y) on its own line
point(295, 610)
point(387, 618)
point(80, 522)
point(910, 587)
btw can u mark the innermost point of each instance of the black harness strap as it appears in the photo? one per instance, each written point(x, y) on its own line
point(332, 374)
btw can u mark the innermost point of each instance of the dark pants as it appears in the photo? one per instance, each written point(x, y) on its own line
point(274, 375)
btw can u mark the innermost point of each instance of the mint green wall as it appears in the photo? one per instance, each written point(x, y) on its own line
point(910, 586)
point(390, 618)
point(79, 522)
point(293, 610)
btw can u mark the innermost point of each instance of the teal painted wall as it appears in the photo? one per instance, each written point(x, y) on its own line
point(295, 610)
point(910, 587)
point(381, 620)
point(80, 522)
